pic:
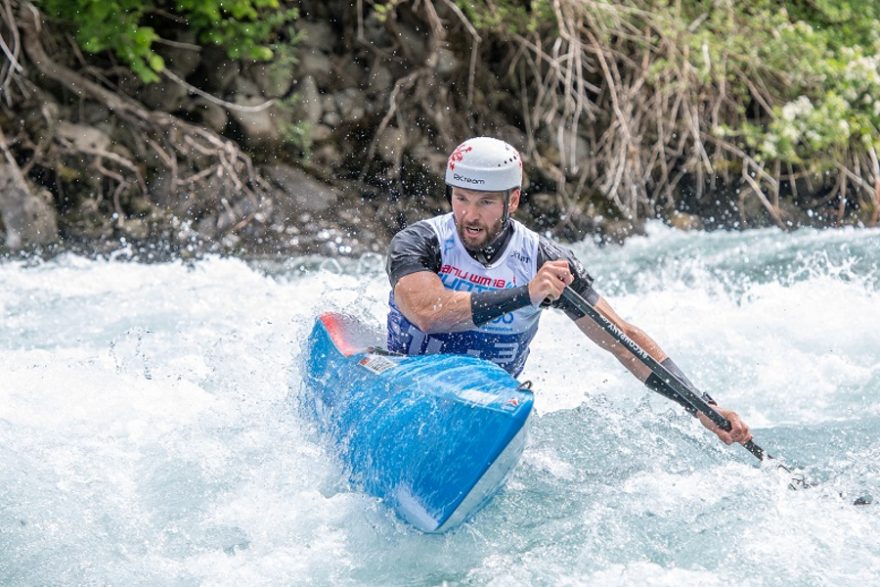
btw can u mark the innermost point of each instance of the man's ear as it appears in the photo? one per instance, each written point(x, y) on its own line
point(514, 200)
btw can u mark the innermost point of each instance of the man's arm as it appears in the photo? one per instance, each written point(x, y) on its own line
point(412, 266)
point(430, 306)
point(426, 303)
point(604, 340)
point(739, 431)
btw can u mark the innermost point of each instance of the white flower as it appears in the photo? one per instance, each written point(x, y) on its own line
point(800, 107)
point(790, 132)
point(863, 69)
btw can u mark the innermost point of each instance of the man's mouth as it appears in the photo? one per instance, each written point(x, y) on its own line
point(472, 230)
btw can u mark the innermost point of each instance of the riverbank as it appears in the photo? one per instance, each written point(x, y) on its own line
point(338, 135)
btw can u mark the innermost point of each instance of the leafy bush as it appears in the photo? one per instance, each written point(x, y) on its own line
point(244, 27)
point(800, 78)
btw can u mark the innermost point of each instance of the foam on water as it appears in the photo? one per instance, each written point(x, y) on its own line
point(149, 433)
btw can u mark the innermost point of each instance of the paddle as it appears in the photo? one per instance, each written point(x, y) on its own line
point(674, 387)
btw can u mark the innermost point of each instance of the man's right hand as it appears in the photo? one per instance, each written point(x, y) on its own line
point(739, 430)
point(550, 281)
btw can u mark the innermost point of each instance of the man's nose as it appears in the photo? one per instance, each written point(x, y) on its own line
point(467, 210)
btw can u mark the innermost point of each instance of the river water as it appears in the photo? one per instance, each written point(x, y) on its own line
point(149, 433)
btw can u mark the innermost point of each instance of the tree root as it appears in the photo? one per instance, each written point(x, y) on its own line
point(178, 144)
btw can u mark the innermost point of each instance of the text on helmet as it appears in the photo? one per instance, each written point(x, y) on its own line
point(459, 177)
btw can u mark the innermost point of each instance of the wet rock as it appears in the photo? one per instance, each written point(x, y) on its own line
point(617, 231)
point(430, 156)
point(752, 211)
point(413, 43)
point(82, 137)
point(320, 132)
point(684, 221)
point(182, 59)
point(308, 106)
point(375, 32)
point(219, 71)
point(391, 144)
point(260, 125)
point(88, 222)
point(94, 113)
point(316, 64)
point(331, 119)
point(165, 96)
point(328, 103)
point(136, 228)
point(380, 80)
point(28, 219)
point(349, 73)
point(447, 62)
point(299, 192)
point(159, 189)
point(512, 135)
point(350, 104)
point(328, 156)
point(209, 114)
point(273, 79)
point(316, 35)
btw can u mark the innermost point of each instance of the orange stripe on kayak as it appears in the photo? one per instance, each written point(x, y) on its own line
point(335, 327)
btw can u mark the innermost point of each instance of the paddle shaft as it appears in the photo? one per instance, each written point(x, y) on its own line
point(671, 384)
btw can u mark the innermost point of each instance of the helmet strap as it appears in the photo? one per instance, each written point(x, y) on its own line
point(506, 215)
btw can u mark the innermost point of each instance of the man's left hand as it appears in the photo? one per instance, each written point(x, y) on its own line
point(739, 430)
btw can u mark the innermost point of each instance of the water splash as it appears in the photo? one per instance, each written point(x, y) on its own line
point(147, 435)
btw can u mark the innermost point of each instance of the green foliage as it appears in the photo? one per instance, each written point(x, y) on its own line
point(297, 134)
point(845, 23)
point(383, 9)
point(816, 62)
point(800, 78)
point(508, 16)
point(817, 126)
point(244, 27)
point(822, 81)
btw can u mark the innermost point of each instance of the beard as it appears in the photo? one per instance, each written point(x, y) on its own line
point(480, 237)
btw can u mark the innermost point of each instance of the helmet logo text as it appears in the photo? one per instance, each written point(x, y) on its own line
point(459, 177)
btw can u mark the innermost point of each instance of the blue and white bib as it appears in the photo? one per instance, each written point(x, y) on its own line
point(505, 340)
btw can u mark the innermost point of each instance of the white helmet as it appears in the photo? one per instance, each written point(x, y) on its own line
point(484, 164)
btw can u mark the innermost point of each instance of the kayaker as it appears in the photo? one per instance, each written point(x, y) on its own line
point(474, 281)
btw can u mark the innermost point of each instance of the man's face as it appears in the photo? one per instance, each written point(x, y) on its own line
point(478, 215)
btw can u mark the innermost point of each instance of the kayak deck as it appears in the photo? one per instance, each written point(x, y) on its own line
point(435, 436)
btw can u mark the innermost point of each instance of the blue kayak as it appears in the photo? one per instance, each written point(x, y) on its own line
point(434, 436)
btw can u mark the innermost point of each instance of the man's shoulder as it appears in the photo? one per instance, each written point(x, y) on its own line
point(542, 244)
point(549, 250)
point(524, 233)
point(425, 227)
point(414, 248)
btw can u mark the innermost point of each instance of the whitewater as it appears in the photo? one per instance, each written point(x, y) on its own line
point(151, 430)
